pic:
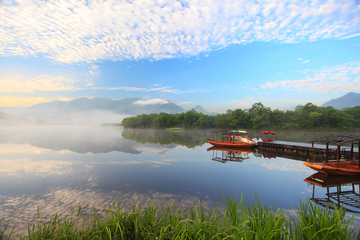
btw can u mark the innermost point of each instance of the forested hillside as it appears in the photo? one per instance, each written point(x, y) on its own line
point(258, 116)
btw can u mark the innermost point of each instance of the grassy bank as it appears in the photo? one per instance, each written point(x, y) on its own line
point(237, 221)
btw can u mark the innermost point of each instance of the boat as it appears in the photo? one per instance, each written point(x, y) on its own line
point(233, 139)
point(269, 132)
point(232, 144)
point(343, 167)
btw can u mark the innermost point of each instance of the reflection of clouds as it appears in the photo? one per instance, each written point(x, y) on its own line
point(287, 166)
point(159, 161)
point(19, 166)
point(155, 148)
point(70, 138)
point(20, 148)
point(23, 209)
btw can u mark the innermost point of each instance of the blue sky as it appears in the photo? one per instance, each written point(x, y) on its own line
point(217, 54)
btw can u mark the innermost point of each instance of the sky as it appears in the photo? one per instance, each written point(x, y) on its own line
point(220, 55)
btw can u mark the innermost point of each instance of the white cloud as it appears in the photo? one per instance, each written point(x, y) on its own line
point(24, 84)
point(352, 35)
point(166, 89)
point(77, 31)
point(120, 88)
point(337, 78)
point(152, 101)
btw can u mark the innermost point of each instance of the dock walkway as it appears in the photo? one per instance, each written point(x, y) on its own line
point(303, 151)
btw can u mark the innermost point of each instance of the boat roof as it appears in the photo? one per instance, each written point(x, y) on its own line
point(339, 139)
point(232, 131)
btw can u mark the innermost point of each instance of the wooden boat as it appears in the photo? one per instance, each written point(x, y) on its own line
point(232, 144)
point(333, 168)
point(232, 138)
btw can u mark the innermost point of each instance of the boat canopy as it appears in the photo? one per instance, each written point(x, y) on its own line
point(339, 139)
point(231, 131)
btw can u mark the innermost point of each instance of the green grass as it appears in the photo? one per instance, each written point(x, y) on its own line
point(236, 220)
point(174, 129)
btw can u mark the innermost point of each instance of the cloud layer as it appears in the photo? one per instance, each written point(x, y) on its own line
point(329, 79)
point(23, 84)
point(77, 31)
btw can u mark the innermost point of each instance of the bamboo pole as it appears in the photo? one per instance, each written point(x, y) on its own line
point(352, 151)
point(327, 151)
point(312, 142)
point(338, 155)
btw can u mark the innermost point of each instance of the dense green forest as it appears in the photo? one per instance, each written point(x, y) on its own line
point(258, 116)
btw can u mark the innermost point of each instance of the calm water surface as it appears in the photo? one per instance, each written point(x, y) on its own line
point(56, 168)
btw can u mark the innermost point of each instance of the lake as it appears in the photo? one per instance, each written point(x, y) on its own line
point(58, 168)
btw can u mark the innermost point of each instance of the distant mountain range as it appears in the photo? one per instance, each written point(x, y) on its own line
point(350, 99)
point(95, 110)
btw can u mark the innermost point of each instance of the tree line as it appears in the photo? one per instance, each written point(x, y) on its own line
point(258, 116)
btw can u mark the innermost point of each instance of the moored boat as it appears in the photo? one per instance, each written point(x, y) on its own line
point(232, 144)
point(233, 139)
point(269, 132)
point(333, 168)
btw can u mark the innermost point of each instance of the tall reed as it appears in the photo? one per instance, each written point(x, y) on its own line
point(232, 220)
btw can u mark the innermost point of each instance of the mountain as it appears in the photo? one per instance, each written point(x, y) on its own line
point(201, 110)
point(169, 108)
point(95, 111)
point(6, 120)
point(350, 99)
point(3, 115)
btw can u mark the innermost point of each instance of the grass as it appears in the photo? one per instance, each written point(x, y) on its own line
point(236, 221)
point(174, 129)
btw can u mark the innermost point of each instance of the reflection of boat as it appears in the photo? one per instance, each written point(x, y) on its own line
point(223, 154)
point(334, 168)
point(350, 199)
point(268, 140)
point(245, 150)
point(233, 138)
point(269, 156)
point(269, 132)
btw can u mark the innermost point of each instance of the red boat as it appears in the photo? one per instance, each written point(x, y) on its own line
point(232, 144)
point(269, 132)
point(232, 138)
point(332, 168)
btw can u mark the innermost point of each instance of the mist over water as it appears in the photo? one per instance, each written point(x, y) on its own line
point(29, 117)
point(56, 168)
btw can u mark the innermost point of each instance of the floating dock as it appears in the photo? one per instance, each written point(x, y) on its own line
point(303, 151)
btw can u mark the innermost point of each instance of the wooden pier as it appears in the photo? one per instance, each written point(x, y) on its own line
point(304, 151)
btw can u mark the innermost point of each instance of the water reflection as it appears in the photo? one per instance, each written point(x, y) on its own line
point(188, 138)
point(340, 190)
point(58, 168)
point(94, 140)
point(223, 155)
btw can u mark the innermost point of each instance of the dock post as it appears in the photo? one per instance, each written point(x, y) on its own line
point(312, 143)
point(359, 154)
point(338, 156)
point(327, 152)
